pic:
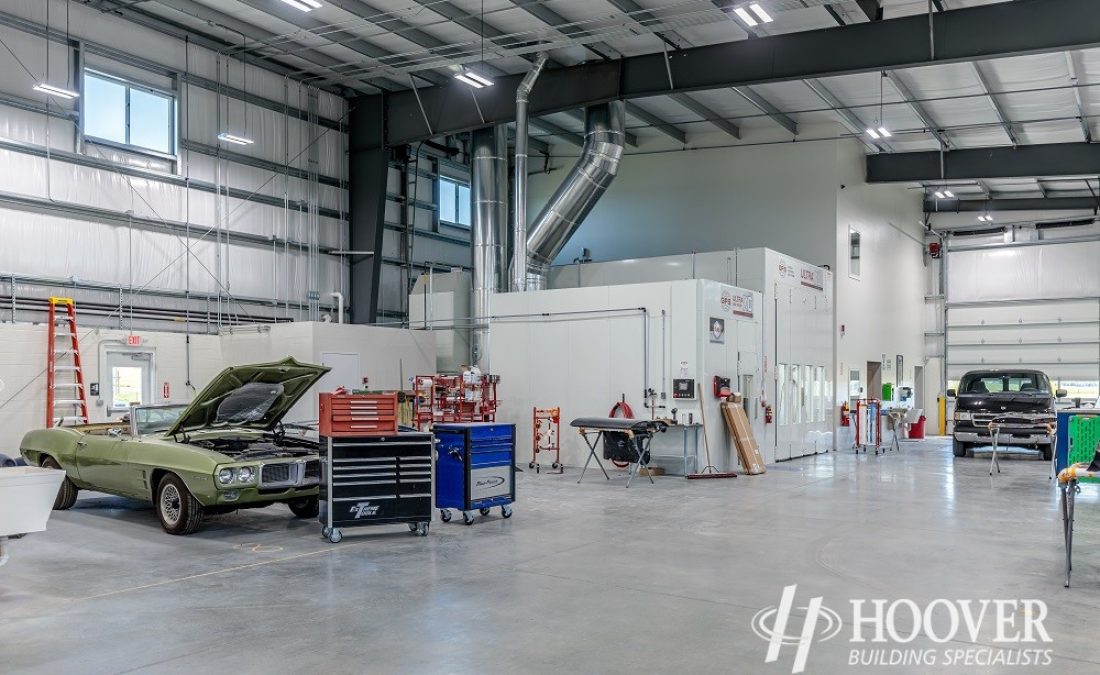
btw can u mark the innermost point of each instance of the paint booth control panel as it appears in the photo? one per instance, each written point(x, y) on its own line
point(683, 388)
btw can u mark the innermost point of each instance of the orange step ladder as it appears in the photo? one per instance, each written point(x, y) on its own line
point(65, 397)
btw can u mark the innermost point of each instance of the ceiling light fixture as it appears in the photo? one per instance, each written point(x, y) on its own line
point(949, 194)
point(873, 134)
point(304, 5)
point(55, 91)
point(884, 133)
point(986, 219)
point(759, 11)
point(233, 138)
point(940, 195)
point(474, 80)
point(746, 17)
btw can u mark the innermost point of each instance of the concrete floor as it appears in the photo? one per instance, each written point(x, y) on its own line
point(584, 578)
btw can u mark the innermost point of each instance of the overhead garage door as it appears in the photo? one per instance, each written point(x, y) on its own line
point(1027, 304)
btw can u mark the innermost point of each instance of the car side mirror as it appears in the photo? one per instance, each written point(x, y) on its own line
point(950, 393)
point(1061, 393)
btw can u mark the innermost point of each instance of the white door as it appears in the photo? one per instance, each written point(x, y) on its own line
point(347, 371)
point(129, 379)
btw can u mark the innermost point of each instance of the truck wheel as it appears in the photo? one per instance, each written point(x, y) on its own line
point(178, 510)
point(1048, 452)
point(66, 494)
point(958, 447)
point(305, 507)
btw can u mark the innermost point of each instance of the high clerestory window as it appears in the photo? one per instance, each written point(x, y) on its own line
point(124, 113)
point(454, 202)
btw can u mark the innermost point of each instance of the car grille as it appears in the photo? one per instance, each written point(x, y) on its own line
point(278, 474)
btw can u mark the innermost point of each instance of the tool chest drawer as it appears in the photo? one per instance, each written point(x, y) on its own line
point(353, 415)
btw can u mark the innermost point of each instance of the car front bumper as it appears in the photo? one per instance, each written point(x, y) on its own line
point(1005, 437)
point(253, 495)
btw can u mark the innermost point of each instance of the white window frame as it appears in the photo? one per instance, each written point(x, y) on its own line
point(458, 183)
point(855, 275)
point(129, 84)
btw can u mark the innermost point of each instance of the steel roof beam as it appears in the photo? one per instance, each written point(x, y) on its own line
point(707, 114)
point(961, 35)
point(1082, 117)
point(921, 112)
point(1024, 161)
point(997, 109)
point(1010, 204)
point(765, 106)
point(847, 117)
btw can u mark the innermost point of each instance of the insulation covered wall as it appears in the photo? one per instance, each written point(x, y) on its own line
point(253, 225)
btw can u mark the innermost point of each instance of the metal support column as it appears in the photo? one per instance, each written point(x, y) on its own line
point(368, 165)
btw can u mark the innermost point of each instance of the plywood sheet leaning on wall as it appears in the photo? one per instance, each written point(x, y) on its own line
point(748, 451)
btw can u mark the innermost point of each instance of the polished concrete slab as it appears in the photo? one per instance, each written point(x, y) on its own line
point(584, 578)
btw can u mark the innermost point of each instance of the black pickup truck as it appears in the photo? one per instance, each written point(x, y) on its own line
point(1020, 401)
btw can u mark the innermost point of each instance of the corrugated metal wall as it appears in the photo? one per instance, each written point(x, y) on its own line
point(232, 233)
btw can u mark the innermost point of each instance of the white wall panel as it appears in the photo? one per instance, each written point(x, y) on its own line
point(1033, 272)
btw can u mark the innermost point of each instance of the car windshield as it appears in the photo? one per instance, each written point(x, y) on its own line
point(155, 419)
point(249, 402)
point(997, 383)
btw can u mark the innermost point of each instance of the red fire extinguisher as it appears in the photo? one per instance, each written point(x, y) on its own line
point(768, 413)
point(845, 414)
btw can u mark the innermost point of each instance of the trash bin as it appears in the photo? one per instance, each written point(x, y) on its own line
point(27, 494)
point(916, 429)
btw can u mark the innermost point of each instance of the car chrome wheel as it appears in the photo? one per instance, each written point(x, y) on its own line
point(170, 504)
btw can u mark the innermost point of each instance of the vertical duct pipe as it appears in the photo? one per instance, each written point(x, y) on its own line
point(579, 192)
point(519, 216)
point(489, 162)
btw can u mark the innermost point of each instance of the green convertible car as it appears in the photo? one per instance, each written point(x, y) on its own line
point(228, 449)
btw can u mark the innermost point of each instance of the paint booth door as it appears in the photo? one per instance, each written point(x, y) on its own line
point(803, 357)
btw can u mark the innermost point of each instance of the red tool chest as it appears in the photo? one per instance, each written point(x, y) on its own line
point(358, 414)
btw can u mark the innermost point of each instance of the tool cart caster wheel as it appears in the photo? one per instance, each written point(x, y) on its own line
point(325, 532)
point(467, 518)
point(530, 465)
point(445, 515)
point(555, 465)
point(413, 527)
point(421, 529)
point(335, 536)
point(538, 468)
point(506, 511)
point(485, 510)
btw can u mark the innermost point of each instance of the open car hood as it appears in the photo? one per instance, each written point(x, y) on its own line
point(255, 396)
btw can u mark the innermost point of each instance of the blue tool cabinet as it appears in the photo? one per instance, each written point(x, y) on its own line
point(475, 468)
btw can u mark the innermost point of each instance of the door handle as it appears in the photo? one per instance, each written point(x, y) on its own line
point(82, 443)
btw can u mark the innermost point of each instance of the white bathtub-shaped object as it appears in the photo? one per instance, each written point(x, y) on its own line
point(27, 494)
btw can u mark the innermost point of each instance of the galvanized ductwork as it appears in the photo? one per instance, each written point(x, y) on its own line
point(518, 267)
point(489, 168)
point(579, 192)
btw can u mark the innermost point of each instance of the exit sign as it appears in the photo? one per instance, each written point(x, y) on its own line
point(133, 340)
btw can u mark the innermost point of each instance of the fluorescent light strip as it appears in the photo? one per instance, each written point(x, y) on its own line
point(884, 132)
point(231, 138)
point(461, 77)
point(55, 91)
point(872, 133)
point(485, 82)
point(759, 11)
point(304, 5)
point(745, 16)
point(949, 194)
point(940, 195)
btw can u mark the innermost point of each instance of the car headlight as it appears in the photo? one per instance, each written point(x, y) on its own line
point(245, 474)
point(962, 416)
point(225, 476)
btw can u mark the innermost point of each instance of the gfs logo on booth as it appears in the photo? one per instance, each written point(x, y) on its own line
point(727, 301)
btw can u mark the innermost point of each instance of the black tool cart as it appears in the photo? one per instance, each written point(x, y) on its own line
point(376, 480)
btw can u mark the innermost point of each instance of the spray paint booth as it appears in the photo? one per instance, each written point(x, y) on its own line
point(798, 354)
point(584, 349)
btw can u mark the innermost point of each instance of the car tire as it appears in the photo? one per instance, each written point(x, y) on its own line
point(1048, 452)
point(958, 447)
point(66, 494)
point(305, 507)
point(178, 510)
